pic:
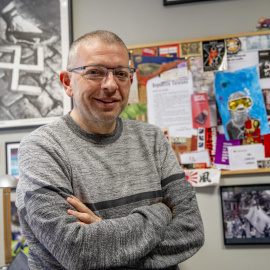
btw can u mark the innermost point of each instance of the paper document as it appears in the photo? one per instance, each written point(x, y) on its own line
point(244, 157)
point(169, 105)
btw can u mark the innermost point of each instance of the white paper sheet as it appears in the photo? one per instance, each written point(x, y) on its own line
point(169, 105)
point(196, 157)
point(242, 60)
point(244, 157)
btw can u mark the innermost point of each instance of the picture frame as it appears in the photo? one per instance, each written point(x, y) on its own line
point(12, 159)
point(246, 214)
point(34, 43)
point(175, 2)
point(17, 241)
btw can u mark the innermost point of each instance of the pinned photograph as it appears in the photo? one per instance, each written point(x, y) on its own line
point(264, 64)
point(190, 49)
point(261, 42)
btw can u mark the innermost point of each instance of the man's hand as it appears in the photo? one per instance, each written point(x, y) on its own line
point(83, 213)
point(168, 208)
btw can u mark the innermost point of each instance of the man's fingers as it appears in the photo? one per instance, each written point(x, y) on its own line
point(78, 205)
point(84, 217)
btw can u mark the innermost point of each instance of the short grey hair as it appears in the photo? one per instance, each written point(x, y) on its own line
point(103, 36)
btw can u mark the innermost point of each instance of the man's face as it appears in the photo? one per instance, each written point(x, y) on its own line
point(99, 101)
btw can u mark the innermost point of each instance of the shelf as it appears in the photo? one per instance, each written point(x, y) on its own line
point(267, 170)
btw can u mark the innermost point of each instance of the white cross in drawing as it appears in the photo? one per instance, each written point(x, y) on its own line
point(16, 67)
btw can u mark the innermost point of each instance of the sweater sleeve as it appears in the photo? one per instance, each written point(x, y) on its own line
point(48, 228)
point(184, 236)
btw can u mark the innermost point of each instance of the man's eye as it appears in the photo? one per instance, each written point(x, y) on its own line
point(94, 73)
point(122, 74)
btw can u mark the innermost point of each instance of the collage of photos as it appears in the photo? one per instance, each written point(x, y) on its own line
point(212, 97)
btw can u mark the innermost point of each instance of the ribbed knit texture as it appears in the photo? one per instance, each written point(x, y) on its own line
point(121, 177)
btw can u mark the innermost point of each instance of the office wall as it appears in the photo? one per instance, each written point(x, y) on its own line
point(148, 21)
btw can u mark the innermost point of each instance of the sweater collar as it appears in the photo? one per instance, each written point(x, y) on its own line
point(95, 138)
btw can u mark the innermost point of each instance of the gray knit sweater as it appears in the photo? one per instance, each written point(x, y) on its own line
point(121, 177)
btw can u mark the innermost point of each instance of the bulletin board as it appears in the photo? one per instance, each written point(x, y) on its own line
point(217, 67)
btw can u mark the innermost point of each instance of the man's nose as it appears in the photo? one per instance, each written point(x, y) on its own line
point(109, 82)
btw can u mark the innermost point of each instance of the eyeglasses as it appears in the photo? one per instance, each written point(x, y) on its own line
point(233, 104)
point(99, 72)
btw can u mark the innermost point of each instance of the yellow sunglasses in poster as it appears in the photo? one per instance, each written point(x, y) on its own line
point(246, 102)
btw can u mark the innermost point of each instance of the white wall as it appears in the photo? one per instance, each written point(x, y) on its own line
point(148, 21)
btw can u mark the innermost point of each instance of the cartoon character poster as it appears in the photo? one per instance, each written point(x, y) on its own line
point(214, 55)
point(239, 98)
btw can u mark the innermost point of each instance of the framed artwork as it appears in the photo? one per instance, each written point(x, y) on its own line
point(174, 2)
point(246, 214)
point(34, 40)
point(17, 241)
point(12, 159)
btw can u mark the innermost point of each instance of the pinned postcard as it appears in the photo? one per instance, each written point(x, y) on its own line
point(169, 50)
point(221, 155)
point(196, 157)
point(149, 51)
point(239, 98)
point(214, 55)
point(203, 177)
point(190, 49)
point(244, 157)
point(233, 45)
point(200, 110)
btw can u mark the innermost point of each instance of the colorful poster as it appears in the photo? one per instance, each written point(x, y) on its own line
point(200, 110)
point(148, 67)
point(214, 55)
point(239, 98)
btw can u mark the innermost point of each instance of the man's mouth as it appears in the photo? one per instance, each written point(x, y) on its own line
point(107, 100)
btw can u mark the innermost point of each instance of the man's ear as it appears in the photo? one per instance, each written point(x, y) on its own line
point(65, 80)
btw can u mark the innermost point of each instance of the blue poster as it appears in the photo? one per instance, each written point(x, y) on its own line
point(239, 98)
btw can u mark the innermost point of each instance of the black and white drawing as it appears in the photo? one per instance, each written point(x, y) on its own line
point(34, 41)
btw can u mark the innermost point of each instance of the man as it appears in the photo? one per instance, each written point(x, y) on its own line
point(100, 192)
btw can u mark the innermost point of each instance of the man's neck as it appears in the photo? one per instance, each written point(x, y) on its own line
point(95, 127)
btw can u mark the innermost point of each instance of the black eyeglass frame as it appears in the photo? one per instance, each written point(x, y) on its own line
point(131, 70)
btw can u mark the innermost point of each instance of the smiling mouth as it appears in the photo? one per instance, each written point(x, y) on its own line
point(106, 100)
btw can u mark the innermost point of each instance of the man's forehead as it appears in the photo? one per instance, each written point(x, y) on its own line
point(99, 49)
